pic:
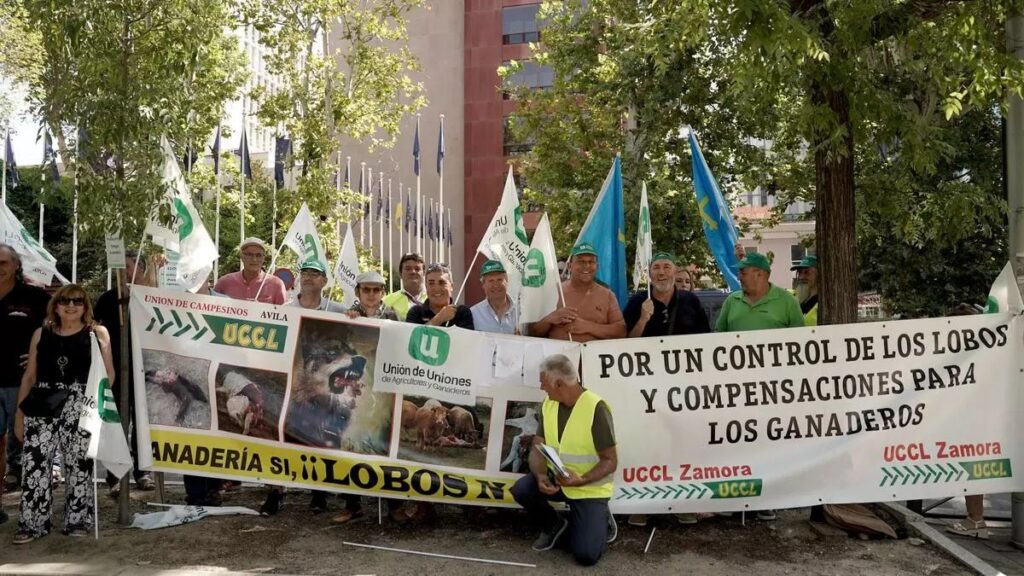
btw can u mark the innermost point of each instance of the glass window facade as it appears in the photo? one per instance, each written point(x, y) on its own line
point(519, 24)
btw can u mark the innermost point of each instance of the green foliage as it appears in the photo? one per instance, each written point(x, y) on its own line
point(360, 89)
point(779, 92)
point(124, 73)
point(20, 53)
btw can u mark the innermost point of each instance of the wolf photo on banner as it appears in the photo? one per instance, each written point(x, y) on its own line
point(332, 403)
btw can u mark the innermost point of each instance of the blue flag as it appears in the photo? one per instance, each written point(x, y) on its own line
point(380, 204)
point(12, 167)
point(245, 165)
point(448, 230)
point(282, 149)
point(714, 213)
point(605, 229)
point(408, 211)
point(348, 181)
point(440, 147)
point(215, 150)
point(416, 150)
point(50, 158)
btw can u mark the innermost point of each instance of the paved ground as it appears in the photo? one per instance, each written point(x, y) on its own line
point(996, 551)
point(300, 543)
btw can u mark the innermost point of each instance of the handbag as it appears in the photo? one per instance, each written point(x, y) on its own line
point(44, 402)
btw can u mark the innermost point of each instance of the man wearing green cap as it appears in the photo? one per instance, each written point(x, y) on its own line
point(312, 279)
point(496, 312)
point(663, 310)
point(760, 305)
point(589, 310)
point(806, 287)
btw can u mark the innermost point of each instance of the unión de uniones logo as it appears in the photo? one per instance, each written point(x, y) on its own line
point(107, 406)
point(429, 345)
point(535, 271)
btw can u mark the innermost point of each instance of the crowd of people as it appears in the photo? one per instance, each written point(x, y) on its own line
point(48, 342)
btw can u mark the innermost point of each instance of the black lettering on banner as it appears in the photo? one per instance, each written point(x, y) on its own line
point(649, 398)
point(433, 482)
point(231, 461)
point(607, 361)
point(356, 476)
point(491, 490)
point(455, 486)
point(395, 479)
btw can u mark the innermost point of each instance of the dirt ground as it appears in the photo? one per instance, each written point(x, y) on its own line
point(297, 542)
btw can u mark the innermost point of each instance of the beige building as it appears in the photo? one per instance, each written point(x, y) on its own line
point(783, 242)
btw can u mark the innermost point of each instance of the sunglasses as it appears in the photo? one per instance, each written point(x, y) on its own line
point(371, 289)
point(71, 301)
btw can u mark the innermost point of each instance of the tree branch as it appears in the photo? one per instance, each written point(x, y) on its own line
point(898, 21)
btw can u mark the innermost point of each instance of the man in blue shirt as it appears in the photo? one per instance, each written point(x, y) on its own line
point(496, 312)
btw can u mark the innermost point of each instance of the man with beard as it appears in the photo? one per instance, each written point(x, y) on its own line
point(664, 310)
point(805, 285)
point(590, 311)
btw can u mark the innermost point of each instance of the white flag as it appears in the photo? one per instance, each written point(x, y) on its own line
point(37, 264)
point(107, 444)
point(1004, 296)
point(187, 236)
point(644, 246)
point(505, 238)
point(346, 269)
point(539, 296)
point(305, 242)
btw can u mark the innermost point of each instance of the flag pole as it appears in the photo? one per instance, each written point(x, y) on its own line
point(419, 204)
point(7, 154)
point(362, 192)
point(369, 180)
point(440, 194)
point(466, 276)
point(401, 227)
point(447, 243)
point(380, 223)
point(391, 243)
point(273, 213)
point(216, 226)
point(74, 219)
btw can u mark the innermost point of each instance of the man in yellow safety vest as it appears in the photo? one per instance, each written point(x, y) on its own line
point(576, 424)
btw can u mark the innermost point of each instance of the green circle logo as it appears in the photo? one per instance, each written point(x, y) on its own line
point(430, 345)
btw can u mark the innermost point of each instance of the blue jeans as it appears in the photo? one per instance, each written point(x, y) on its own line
point(588, 518)
point(8, 408)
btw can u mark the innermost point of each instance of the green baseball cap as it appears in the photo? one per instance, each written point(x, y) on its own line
point(491, 266)
point(756, 260)
point(663, 256)
point(809, 261)
point(314, 264)
point(583, 248)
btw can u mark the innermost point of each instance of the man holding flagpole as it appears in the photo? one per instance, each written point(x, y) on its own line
point(589, 311)
point(246, 283)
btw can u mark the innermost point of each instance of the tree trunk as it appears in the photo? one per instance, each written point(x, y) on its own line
point(835, 224)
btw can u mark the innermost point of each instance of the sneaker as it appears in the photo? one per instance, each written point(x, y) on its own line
point(686, 518)
point(318, 503)
point(77, 532)
point(23, 538)
point(273, 504)
point(766, 515)
point(637, 520)
point(613, 528)
point(547, 540)
point(145, 483)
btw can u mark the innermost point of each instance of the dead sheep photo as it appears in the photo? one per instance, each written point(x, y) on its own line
point(177, 390)
point(522, 419)
point(435, 432)
point(249, 401)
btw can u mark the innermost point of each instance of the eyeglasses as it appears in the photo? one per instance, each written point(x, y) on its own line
point(371, 289)
point(71, 301)
point(311, 273)
point(253, 255)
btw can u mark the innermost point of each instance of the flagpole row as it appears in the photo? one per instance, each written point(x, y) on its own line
point(440, 190)
point(7, 154)
point(381, 218)
point(391, 243)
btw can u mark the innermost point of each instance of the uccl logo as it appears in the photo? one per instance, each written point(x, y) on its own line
point(429, 345)
point(535, 272)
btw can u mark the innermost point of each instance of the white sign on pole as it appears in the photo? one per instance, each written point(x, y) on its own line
point(115, 252)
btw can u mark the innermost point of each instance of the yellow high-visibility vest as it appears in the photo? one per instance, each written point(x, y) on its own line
point(576, 445)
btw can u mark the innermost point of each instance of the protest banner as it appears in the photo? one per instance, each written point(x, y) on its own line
point(294, 397)
point(871, 412)
point(714, 422)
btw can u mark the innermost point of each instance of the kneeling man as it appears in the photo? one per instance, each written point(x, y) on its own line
point(577, 424)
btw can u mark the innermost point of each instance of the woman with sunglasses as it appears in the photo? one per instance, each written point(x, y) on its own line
point(370, 298)
point(50, 402)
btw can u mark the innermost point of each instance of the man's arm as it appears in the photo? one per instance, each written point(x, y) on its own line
point(796, 316)
point(613, 327)
point(608, 461)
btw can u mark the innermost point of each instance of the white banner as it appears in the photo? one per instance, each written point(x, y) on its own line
point(868, 412)
point(739, 421)
point(440, 363)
